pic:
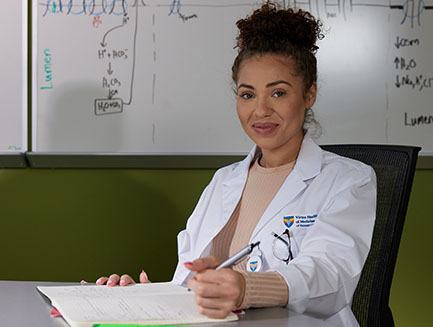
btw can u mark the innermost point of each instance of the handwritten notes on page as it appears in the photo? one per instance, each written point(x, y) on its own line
point(155, 303)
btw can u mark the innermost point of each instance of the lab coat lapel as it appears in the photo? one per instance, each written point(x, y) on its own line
point(234, 184)
point(308, 165)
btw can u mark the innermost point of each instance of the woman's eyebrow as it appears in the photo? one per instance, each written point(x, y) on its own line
point(246, 85)
point(267, 85)
point(278, 82)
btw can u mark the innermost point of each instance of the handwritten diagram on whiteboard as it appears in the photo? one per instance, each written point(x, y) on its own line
point(154, 76)
point(13, 76)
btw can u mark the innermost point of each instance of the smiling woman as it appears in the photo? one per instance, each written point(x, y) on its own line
point(271, 105)
point(311, 211)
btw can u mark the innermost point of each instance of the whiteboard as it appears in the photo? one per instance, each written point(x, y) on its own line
point(13, 76)
point(154, 76)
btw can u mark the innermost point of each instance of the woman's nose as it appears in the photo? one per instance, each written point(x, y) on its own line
point(263, 108)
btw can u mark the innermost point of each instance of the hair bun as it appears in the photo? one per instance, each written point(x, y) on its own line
point(270, 28)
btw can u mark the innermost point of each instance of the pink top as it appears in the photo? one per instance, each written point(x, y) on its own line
point(262, 288)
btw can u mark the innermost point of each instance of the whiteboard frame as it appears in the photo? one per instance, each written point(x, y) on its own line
point(130, 160)
point(148, 161)
point(24, 77)
point(424, 162)
point(24, 105)
point(13, 160)
point(34, 12)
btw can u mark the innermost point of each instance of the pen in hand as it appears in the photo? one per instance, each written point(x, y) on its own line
point(238, 256)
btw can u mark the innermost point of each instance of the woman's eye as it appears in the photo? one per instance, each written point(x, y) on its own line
point(246, 95)
point(278, 94)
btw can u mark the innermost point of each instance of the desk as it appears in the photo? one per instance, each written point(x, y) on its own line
point(21, 305)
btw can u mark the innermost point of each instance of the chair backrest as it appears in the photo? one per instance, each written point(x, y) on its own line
point(395, 168)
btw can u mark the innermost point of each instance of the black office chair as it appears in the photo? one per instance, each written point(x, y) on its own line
point(395, 168)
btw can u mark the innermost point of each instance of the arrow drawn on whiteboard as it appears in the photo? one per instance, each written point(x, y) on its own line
point(111, 93)
point(124, 22)
point(109, 70)
point(112, 105)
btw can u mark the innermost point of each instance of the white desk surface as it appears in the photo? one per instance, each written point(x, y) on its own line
point(21, 305)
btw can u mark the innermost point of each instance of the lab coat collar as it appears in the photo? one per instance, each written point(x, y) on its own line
point(240, 171)
point(309, 161)
point(308, 165)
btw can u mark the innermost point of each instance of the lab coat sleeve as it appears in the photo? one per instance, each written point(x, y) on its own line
point(181, 274)
point(187, 238)
point(324, 275)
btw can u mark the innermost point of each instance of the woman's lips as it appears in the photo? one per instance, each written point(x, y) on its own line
point(264, 128)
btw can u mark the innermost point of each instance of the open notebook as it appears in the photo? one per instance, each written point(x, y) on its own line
point(150, 304)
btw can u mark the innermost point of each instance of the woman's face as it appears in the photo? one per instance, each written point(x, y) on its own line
point(271, 103)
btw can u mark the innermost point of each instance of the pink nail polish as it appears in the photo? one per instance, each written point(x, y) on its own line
point(189, 263)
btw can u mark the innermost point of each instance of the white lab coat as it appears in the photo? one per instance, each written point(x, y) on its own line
point(329, 249)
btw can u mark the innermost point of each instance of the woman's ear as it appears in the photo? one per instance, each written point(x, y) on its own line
point(310, 96)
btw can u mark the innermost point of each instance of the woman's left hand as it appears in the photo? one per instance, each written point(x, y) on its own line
point(217, 292)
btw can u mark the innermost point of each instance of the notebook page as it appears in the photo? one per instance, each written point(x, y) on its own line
point(145, 303)
point(100, 291)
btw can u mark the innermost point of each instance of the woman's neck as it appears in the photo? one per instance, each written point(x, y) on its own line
point(282, 155)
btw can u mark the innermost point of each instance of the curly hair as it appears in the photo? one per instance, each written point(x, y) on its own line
point(285, 32)
point(280, 31)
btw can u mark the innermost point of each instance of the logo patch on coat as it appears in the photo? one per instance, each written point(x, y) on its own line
point(300, 220)
point(253, 265)
point(288, 221)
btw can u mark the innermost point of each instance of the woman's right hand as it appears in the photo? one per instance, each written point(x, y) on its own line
point(123, 280)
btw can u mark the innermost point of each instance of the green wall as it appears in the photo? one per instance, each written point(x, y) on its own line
point(73, 224)
point(78, 224)
point(412, 287)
